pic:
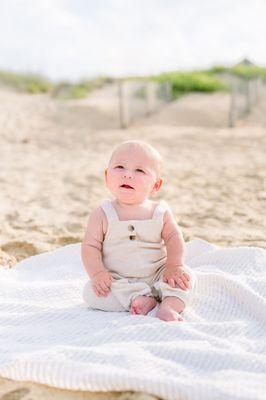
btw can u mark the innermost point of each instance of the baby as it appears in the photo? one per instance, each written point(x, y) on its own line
point(133, 250)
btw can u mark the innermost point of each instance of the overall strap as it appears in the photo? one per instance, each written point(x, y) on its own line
point(160, 210)
point(109, 210)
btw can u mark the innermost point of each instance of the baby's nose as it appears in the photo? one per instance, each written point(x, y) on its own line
point(127, 174)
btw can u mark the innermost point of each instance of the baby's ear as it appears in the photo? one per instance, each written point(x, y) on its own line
point(105, 176)
point(157, 186)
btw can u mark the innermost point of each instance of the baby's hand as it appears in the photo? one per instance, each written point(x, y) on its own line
point(101, 283)
point(176, 277)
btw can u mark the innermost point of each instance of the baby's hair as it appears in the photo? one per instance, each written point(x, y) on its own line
point(147, 147)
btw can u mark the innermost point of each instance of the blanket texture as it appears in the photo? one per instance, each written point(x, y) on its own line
point(48, 335)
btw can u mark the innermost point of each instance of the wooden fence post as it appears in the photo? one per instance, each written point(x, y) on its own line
point(232, 110)
point(150, 97)
point(168, 91)
point(248, 97)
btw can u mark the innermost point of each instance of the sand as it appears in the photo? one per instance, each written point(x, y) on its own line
point(53, 156)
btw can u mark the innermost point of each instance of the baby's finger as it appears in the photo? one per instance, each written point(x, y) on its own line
point(96, 291)
point(107, 291)
point(185, 281)
point(186, 285)
point(99, 290)
point(107, 287)
point(103, 286)
point(172, 282)
point(103, 293)
point(109, 282)
point(186, 276)
point(181, 284)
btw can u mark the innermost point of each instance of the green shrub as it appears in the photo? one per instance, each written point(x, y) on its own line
point(242, 71)
point(25, 82)
point(249, 72)
point(66, 91)
point(185, 82)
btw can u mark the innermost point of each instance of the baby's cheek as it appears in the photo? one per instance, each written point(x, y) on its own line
point(116, 177)
point(140, 180)
point(145, 182)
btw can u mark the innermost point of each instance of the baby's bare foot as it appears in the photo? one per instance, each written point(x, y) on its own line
point(170, 309)
point(142, 305)
point(167, 314)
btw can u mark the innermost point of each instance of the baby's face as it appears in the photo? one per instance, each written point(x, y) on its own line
point(132, 175)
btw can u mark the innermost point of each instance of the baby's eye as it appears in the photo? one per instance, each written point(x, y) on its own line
point(140, 170)
point(119, 166)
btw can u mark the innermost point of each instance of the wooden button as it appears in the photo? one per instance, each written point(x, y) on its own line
point(130, 227)
point(132, 237)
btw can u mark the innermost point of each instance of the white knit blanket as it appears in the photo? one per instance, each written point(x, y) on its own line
point(48, 335)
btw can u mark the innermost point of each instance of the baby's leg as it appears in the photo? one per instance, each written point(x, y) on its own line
point(134, 294)
point(175, 299)
point(170, 309)
point(124, 296)
point(108, 303)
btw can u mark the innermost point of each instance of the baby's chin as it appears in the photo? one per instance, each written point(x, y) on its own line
point(130, 200)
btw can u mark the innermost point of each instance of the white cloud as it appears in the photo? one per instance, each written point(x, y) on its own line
point(77, 38)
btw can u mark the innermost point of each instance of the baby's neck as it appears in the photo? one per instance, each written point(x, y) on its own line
point(126, 206)
point(143, 210)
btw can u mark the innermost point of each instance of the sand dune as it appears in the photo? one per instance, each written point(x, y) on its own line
point(197, 109)
point(53, 156)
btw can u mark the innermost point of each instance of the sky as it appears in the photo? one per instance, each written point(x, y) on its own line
point(76, 39)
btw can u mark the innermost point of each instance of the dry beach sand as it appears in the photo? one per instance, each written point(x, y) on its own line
point(53, 156)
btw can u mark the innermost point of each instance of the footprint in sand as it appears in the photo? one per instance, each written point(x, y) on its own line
point(64, 240)
point(19, 250)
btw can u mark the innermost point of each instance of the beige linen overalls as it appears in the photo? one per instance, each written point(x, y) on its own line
point(135, 254)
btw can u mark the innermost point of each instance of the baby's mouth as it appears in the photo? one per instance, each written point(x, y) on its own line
point(127, 186)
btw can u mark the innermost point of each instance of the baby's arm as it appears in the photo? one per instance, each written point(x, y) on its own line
point(175, 247)
point(91, 253)
point(91, 248)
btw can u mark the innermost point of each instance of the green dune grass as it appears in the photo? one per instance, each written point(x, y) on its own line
point(28, 83)
point(242, 71)
point(195, 81)
point(182, 82)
